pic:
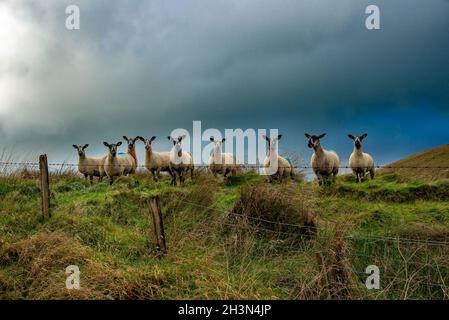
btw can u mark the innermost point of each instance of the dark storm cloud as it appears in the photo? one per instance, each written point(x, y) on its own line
point(146, 67)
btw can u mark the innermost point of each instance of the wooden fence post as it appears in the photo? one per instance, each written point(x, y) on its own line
point(158, 224)
point(45, 186)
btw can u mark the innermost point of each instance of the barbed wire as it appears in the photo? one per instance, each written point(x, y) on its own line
point(390, 239)
point(245, 166)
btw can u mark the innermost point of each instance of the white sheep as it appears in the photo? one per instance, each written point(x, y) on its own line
point(90, 167)
point(114, 165)
point(132, 152)
point(221, 162)
point(155, 162)
point(283, 168)
point(180, 161)
point(360, 162)
point(324, 163)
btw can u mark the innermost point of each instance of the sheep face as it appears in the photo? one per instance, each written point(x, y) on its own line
point(357, 139)
point(272, 142)
point(146, 142)
point(131, 142)
point(113, 148)
point(177, 144)
point(313, 140)
point(218, 143)
point(81, 149)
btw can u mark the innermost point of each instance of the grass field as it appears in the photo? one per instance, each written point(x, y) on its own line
point(235, 239)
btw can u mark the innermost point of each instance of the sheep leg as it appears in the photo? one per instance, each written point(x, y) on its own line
point(320, 179)
point(372, 173)
point(181, 178)
point(91, 179)
point(111, 180)
point(86, 176)
point(155, 175)
point(173, 178)
point(280, 176)
point(191, 173)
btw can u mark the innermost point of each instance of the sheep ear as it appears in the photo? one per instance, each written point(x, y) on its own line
point(181, 137)
point(364, 135)
point(124, 137)
point(321, 136)
point(223, 140)
point(170, 138)
point(265, 137)
point(75, 146)
point(211, 139)
point(351, 136)
point(153, 138)
point(119, 144)
point(307, 136)
point(85, 146)
point(140, 138)
point(106, 144)
point(279, 136)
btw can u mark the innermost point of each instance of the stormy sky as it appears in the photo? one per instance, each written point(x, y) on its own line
point(148, 67)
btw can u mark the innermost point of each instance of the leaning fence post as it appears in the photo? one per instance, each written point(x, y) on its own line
point(45, 186)
point(158, 224)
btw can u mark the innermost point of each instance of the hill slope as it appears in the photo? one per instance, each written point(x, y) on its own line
point(236, 239)
point(428, 165)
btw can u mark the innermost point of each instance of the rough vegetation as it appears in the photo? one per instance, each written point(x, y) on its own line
point(429, 165)
point(235, 238)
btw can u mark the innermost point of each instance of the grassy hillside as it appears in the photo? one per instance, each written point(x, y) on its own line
point(240, 238)
point(416, 167)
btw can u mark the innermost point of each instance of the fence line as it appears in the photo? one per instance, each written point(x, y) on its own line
point(373, 238)
point(390, 239)
point(244, 166)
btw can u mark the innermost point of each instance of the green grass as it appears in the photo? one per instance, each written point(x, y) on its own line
point(107, 232)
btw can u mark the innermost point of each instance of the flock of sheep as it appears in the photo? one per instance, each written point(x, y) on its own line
point(178, 163)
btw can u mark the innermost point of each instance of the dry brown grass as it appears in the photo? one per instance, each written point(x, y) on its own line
point(40, 263)
point(412, 167)
point(279, 209)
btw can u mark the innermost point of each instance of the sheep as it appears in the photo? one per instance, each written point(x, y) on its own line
point(114, 165)
point(220, 162)
point(180, 161)
point(155, 162)
point(132, 152)
point(360, 162)
point(284, 168)
point(325, 164)
point(90, 167)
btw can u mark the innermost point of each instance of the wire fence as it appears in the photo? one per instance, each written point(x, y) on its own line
point(244, 166)
point(409, 263)
point(416, 265)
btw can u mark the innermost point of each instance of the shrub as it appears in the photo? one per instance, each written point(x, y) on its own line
point(277, 210)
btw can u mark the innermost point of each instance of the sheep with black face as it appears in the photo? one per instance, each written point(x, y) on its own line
point(90, 167)
point(360, 162)
point(155, 162)
point(221, 162)
point(325, 164)
point(116, 165)
point(180, 161)
point(132, 152)
point(276, 166)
